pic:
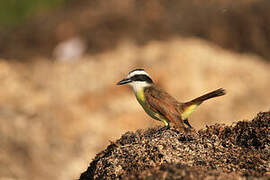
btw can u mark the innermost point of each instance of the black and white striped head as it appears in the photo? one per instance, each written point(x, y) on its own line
point(137, 79)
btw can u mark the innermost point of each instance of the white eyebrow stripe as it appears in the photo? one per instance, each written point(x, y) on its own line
point(137, 72)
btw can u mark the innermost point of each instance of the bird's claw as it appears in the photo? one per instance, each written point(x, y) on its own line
point(164, 128)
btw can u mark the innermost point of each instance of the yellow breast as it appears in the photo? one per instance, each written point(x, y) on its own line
point(141, 99)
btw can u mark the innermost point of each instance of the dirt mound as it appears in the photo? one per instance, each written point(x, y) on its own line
point(179, 171)
point(218, 150)
point(242, 26)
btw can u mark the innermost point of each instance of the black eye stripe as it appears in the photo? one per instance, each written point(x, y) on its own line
point(141, 77)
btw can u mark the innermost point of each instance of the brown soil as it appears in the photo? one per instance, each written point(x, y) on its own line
point(217, 151)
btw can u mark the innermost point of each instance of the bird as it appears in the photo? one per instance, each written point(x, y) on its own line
point(159, 104)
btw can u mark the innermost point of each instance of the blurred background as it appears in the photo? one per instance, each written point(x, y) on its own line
point(60, 61)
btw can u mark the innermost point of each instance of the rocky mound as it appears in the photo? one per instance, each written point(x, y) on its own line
point(218, 151)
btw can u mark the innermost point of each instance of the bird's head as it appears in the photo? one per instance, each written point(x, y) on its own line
point(138, 79)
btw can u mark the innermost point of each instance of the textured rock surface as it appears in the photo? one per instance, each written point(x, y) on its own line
point(218, 151)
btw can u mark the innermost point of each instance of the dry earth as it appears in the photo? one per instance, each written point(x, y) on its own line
point(56, 116)
point(219, 152)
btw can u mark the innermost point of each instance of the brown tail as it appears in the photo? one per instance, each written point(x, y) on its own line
point(199, 100)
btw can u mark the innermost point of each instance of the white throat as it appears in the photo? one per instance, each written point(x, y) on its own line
point(139, 85)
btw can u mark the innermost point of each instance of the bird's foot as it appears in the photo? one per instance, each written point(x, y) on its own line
point(164, 128)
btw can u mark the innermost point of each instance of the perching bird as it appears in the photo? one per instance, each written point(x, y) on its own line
point(159, 104)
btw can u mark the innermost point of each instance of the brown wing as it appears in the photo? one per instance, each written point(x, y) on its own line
point(164, 104)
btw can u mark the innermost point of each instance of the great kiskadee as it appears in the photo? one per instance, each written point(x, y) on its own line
point(159, 104)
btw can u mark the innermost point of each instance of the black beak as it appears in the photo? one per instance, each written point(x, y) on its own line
point(124, 81)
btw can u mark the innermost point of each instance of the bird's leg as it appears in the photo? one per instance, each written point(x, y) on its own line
point(166, 127)
point(187, 123)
